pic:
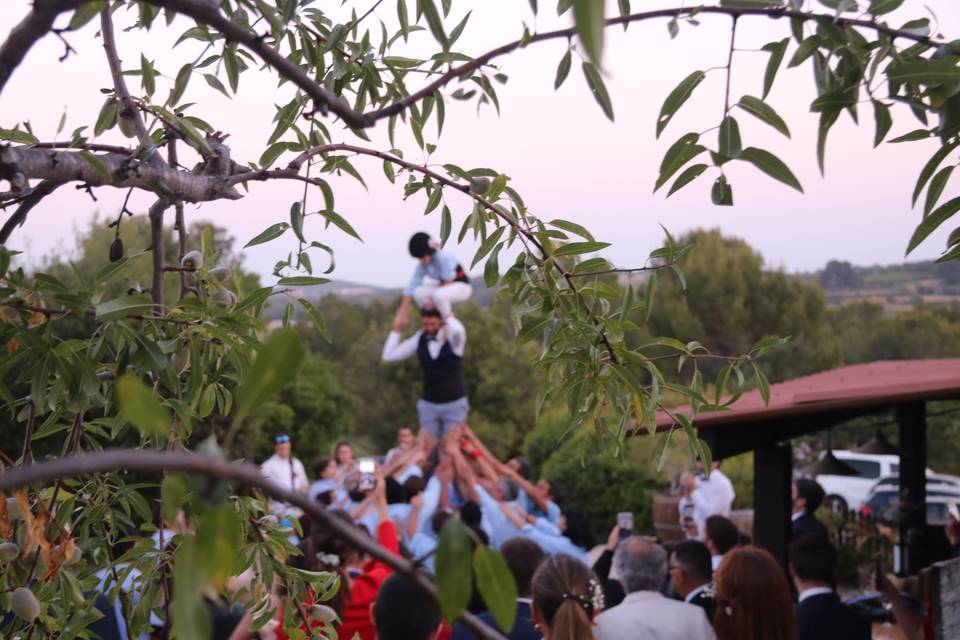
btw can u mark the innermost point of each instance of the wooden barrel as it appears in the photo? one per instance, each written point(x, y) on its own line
point(666, 517)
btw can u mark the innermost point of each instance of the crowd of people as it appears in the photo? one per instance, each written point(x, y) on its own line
point(712, 585)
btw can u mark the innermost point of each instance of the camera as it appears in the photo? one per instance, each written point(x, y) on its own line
point(625, 522)
point(367, 468)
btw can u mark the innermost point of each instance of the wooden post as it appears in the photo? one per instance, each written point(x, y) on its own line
point(911, 419)
point(772, 477)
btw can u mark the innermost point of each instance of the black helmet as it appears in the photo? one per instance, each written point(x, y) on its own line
point(420, 245)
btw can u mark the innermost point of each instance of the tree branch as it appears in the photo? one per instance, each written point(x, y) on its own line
point(27, 203)
point(114, 170)
point(208, 13)
point(240, 473)
point(156, 248)
point(38, 23)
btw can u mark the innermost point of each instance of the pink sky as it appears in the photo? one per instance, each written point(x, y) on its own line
point(561, 153)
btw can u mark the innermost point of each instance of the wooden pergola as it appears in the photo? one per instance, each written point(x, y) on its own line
point(820, 401)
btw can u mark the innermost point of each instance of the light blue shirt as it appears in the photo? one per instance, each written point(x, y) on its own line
point(443, 266)
point(320, 486)
point(409, 472)
point(501, 529)
point(554, 544)
point(422, 544)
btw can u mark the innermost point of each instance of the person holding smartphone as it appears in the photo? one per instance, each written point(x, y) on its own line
point(439, 346)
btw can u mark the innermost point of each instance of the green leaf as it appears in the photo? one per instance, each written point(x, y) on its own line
point(271, 154)
point(730, 145)
point(214, 82)
point(757, 107)
point(689, 174)
point(833, 101)
point(135, 305)
point(931, 222)
point(139, 406)
point(340, 223)
point(572, 227)
point(721, 194)
point(577, 248)
point(276, 364)
point(913, 136)
point(302, 281)
point(827, 120)
point(935, 72)
point(563, 69)
point(777, 50)
point(677, 97)
point(446, 224)
point(107, 117)
point(296, 220)
point(588, 17)
point(404, 18)
point(454, 575)
point(491, 270)
point(880, 7)
point(496, 585)
point(928, 169)
point(314, 314)
point(434, 22)
point(268, 234)
point(680, 153)
point(487, 246)
point(597, 87)
point(936, 188)
point(771, 165)
point(881, 114)
point(85, 13)
point(531, 329)
point(147, 75)
point(180, 84)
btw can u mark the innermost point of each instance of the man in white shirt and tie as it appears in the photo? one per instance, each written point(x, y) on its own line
point(439, 346)
point(286, 472)
point(646, 614)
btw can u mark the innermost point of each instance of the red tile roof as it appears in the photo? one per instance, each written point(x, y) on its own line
point(874, 384)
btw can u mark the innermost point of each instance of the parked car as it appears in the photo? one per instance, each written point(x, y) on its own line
point(850, 492)
point(884, 499)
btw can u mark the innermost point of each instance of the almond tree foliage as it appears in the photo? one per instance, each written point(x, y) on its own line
point(157, 369)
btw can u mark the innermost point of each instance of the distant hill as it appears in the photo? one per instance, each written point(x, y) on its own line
point(895, 287)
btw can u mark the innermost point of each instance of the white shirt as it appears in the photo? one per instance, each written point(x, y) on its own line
point(286, 473)
point(713, 497)
point(715, 561)
point(453, 333)
point(813, 591)
point(648, 615)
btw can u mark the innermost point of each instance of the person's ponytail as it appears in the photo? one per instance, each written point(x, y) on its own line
point(567, 594)
point(571, 622)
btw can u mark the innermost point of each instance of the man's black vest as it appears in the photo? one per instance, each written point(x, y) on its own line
point(442, 376)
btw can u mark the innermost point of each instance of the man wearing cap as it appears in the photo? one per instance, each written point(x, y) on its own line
point(285, 471)
point(439, 346)
point(451, 282)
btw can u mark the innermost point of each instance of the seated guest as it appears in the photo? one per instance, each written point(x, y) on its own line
point(753, 599)
point(690, 575)
point(402, 611)
point(522, 557)
point(645, 613)
point(566, 598)
point(721, 536)
point(820, 613)
point(807, 497)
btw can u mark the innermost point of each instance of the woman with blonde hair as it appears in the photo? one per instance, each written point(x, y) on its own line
point(566, 598)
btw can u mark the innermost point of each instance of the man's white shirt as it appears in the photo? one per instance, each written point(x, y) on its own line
point(286, 473)
point(452, 333)
point(713, 496)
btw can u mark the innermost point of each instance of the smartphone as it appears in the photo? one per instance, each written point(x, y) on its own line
point(625, 522)
point(367, 468)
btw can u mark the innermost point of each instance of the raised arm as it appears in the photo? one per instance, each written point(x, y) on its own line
point(394, 349)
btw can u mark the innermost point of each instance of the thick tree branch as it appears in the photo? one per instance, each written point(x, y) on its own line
point(37, 24)
point(243, 474)
point(208, 13)
point(85, 146)
point(28, 202)
point(114, 170)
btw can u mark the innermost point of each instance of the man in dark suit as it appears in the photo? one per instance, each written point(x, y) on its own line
point(522, 556)
point(820, 613)
point(691, 573)
point(807, 497)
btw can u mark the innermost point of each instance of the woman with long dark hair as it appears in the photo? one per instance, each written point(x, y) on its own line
point(753, 599)
point(566, 597)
